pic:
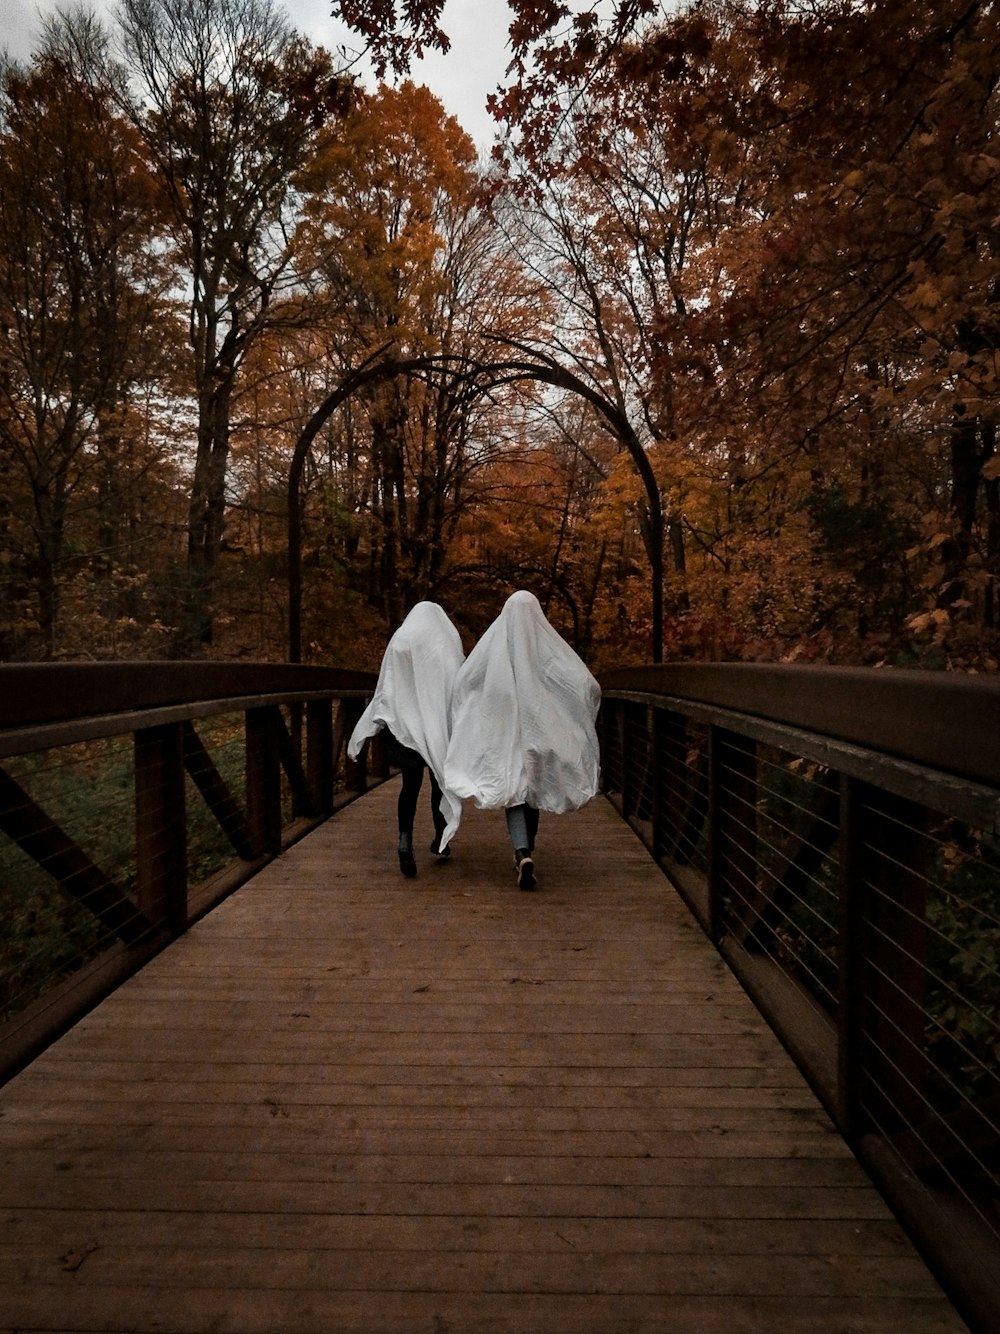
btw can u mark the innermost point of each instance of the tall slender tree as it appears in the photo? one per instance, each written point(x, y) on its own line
point(404, 250)
point(229, 101)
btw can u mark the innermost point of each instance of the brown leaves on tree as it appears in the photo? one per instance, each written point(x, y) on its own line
point(710, 358)
point(396, 33)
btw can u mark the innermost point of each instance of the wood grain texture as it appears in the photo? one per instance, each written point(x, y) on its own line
point(350, 1103)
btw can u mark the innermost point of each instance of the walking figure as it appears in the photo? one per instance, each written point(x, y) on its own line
point(412, 705)
point(524, 736)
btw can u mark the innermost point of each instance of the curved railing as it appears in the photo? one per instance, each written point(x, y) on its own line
point(133, 797)
point(837, 834)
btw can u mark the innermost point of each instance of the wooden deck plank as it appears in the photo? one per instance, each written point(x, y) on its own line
point(346, 1101)
point(677, 1236)
point(490, 1271)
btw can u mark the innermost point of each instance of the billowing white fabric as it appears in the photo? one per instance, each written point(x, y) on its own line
point(413, 696)
point(523, 717)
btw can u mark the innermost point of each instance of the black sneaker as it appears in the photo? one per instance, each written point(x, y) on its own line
point(526, 873)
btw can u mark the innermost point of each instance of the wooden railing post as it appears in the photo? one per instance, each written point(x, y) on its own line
point(615, 738)
point(355, 771)
point(630, 788)
point(883, 941)
point(658, 834)
point(670, 780)
point(319, 753)
point(602, 741)
point(732, 822)
point(850, 965)
point(161, 825)
point(263, 778)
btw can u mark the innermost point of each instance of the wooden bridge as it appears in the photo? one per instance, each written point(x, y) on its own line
point(333, 1099)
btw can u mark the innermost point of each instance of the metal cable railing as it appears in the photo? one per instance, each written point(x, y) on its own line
point(121, 824)
point(838, 836)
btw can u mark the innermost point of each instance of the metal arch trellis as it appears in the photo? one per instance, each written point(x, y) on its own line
point(483, 377)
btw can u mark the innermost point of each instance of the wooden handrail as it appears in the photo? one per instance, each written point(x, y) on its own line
point(36, 693)
point(945, 720)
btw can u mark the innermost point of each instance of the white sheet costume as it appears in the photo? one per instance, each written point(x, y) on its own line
point(413, 696)
point(523, 717)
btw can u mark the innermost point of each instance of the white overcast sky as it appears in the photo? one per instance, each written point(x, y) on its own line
point(462, 79)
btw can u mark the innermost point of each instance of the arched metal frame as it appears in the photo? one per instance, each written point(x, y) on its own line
point(383, 364)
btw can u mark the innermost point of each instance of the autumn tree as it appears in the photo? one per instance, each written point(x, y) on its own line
point(809, 377)
point(540, 522)
point(229, 103)
point(608, 227)
point(852, 338)
point(84, 328)
point(409, 262)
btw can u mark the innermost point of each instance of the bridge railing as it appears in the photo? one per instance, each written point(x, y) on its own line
point(835, 832)
point(134, 797)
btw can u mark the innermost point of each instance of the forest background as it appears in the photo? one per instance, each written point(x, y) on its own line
point(705, 354)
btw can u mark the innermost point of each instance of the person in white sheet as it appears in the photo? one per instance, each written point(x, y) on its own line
point(412, 703)
point(524, 734)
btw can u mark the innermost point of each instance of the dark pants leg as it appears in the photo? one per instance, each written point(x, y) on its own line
point(436, 814)
point(406, 807)
point(531, 820)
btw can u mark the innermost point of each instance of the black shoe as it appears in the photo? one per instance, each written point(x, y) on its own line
point(406, 863)
point(525, 873)
point(437, 849)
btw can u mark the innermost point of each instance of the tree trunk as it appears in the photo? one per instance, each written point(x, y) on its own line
point(675, 532)
point(206, 516)
point(966, 472)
